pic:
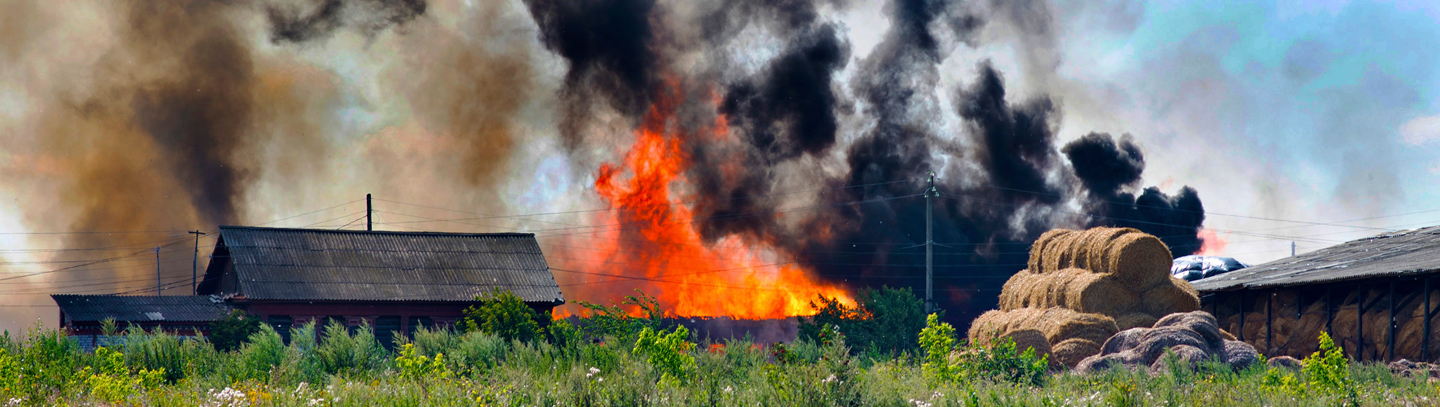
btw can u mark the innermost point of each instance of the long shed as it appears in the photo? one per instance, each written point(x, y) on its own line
point(1376, 297)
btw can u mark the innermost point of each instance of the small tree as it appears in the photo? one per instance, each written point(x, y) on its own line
point(504, 315)
point(233, 330)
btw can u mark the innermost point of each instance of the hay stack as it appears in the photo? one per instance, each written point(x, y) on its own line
point(1078, 332)
point(1136, 257)
point(1082, 287)
point(1192, 336)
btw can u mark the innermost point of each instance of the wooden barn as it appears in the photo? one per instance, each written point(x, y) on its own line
point(393, 281)
point(1376, 297)
point(82, 315)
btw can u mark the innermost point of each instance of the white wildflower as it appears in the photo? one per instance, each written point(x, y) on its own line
point(14, 402)
point(592, 372)
point(728, 389)
point(829, 380)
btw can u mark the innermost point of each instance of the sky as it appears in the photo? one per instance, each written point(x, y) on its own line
point(1304, 122)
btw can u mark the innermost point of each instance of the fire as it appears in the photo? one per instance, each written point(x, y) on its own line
point(648, 239)
point(1211, 244)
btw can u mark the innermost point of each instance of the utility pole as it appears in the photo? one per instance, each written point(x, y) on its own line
point(929, 249)
point(368, 224)
point(1292, 248)
point(157, 270)
point(194, 281)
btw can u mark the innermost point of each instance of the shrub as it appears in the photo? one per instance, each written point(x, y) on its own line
point(261, 353)
point(614, 321)
point(1002, 362)
point(506, 315)
point(1328, 370)
point(341, 352)
point(233, 330)
point(414, 366)
point(154, 351)
point(668, 353)
point(882, 322)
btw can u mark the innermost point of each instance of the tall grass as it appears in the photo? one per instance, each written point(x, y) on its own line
point(338, 368)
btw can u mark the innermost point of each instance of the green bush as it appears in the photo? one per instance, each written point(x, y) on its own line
point(506, 315)
point(233, 330)
point(1001, 362)
point(614, 321)
point(883, 322)
point(343, 353)
point(261, 354)
point(667, 353)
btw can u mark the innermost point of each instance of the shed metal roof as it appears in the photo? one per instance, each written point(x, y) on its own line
point(1410, 252)
point(313, 264)
point(141, 308)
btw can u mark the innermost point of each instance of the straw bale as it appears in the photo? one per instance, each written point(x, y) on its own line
point(1058, 253)
point(988, 326)
point(1137, 258)
point(1122, 341)
point(1028, 339)
point(1037, 250)
point(1188, 356)
point(1100, 363)
point(1201, 322)
point(1155, 341)
point(1060, 324)
point(1135, 320)
point(1227, 335)
point(1093, 245)
point(1019, 291)
point(1071, 351)
point(1166, 299)
point(1240, 354)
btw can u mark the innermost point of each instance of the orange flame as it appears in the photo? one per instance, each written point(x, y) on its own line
point(653, 245)
point(1211, 244)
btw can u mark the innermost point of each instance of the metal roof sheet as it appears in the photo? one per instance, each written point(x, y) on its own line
point(312, 264)
point(141, 308)
point(1408, 252)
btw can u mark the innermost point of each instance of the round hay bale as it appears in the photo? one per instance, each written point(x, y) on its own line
point(1139, 259)
point(1240, 355)
point(1086, 291)
point(1134, 320)
point(1187, 356)
point(1059, 254)
point(1154, 342)
point(1122, 341)
point(1099, 363)
point(1015, 293)
point(1166, 299)
point(1071, 351)
point(1037, 250)
point(1028, 339)
point(988, 326)
point(1060, 324)
point(1093, 243)
point(1199, 321)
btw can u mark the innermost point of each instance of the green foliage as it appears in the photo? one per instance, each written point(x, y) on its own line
point(343, 353)
point(9, 373)
point(154, 351)
point(667, 353)
point(614, 321)
point(504, 314)
point(109, 380)
point(230, 332)
point(1001, 362)
point(414, 366)
point(563, 335)
point(1327, 368)
point(261, 353)
point(885, 321)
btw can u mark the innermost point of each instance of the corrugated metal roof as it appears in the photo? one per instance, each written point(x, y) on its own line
point(311, 264)
point(1401, 253)
point(141, 308)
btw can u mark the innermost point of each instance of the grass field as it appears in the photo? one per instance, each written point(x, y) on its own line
point(651, 368)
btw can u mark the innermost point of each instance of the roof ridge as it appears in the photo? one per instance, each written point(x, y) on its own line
point(371, 232)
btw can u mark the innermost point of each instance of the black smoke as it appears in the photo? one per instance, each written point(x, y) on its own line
point(1003, 178)
point(292, 24)
point(609, 45)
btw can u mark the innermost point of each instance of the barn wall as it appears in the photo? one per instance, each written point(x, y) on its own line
point(1288, 321)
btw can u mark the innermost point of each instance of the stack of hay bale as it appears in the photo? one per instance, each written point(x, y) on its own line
point(1191, 336)
point(1093, 283)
